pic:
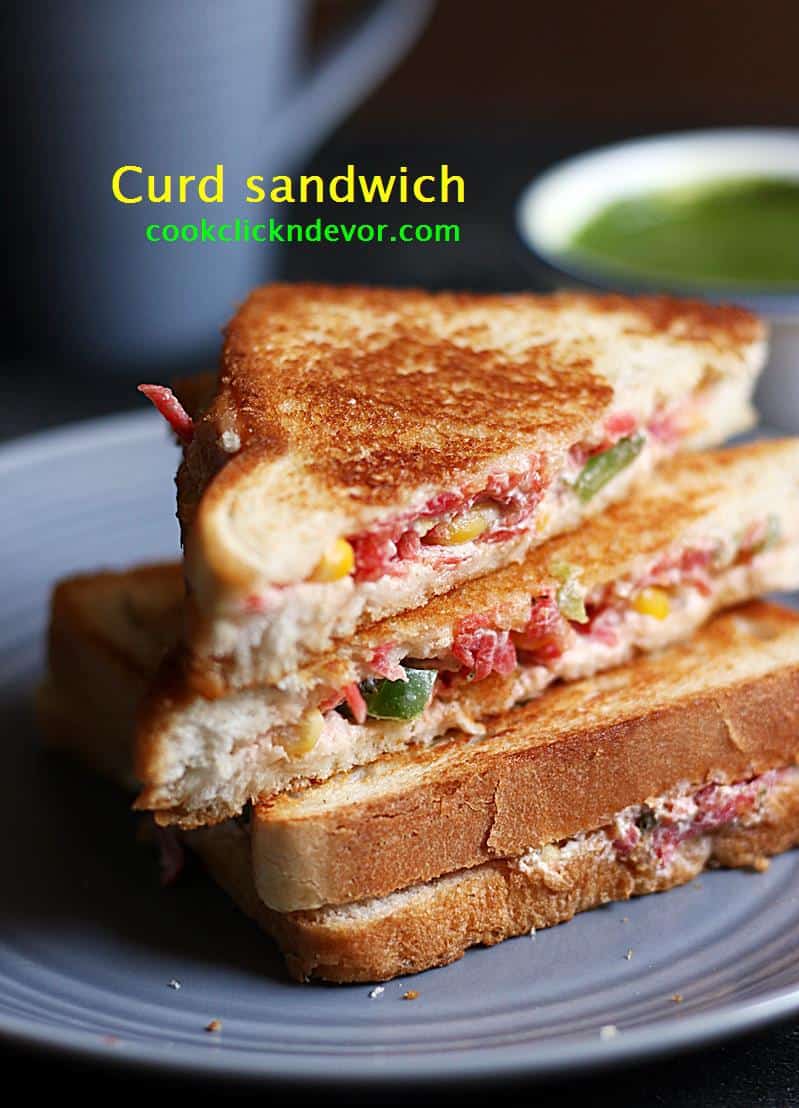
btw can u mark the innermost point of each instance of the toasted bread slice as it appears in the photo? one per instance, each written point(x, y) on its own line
point(108, 633)
point(706, 532)
point(367, 449)
point(722, 706)
point(432, 924)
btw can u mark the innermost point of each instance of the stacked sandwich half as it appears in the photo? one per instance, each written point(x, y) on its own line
point(469, 639)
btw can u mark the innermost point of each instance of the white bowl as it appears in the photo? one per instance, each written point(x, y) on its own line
point(555, 205)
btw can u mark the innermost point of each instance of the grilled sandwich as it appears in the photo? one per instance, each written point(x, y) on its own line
point(704, 532)
point(626, 784)
point(364, 450)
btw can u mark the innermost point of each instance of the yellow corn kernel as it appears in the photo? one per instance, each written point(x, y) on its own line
point(652, 602)
point(697, 423)
point(309, 730)
point(336, 562)
point(465, 527)
point(542, 522)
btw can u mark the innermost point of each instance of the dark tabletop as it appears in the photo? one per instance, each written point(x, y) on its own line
point(757, 1070)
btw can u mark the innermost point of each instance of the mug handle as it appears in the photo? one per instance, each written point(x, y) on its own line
point(347, 70)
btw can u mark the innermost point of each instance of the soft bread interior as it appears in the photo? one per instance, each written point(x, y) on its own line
point(337, 409)
point(434, 923)
point(726, 703)
point(310, 381)
point(202, 760)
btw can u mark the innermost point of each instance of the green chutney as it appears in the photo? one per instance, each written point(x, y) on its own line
point(737, 231)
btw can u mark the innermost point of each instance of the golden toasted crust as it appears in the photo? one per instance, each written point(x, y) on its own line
point(381, 388)
point(296, 356)
point(434, 924)
point(690, 320)
point(347, 400)
point(427, 926)
point(726, 703)
point(108, 632)
point(682, 494)
point(133, 614)
point(412, 413)
point(691, 499)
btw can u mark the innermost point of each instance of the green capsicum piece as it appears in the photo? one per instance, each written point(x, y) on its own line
point(603, 467)
point(399, 699)
point(571, 601)
point(571, 594)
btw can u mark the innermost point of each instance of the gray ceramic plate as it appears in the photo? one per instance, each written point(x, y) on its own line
point(89, 943)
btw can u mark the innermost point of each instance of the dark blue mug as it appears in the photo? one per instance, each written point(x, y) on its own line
point(173, 86)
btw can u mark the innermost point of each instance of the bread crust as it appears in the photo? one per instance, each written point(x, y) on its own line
point(688, 497)
point(434, 924)
point(543, 772)
point(108, 632)
point(350, 402)
point(689, 500)
point(313, 343)
point(430, 924)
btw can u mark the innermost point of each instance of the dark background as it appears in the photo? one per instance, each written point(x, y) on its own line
point(680, 63)
point(499, 91)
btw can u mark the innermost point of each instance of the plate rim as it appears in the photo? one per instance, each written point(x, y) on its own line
point(532, 1060)
point(582, 1055)
point(37, 446)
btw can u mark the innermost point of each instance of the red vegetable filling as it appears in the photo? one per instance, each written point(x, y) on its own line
point(382, 664)
point(384, 549)
point(171, 409)
point(691, 566)
point(482, 650)
point(715, 806)
point(547, 633)
point(355, 702)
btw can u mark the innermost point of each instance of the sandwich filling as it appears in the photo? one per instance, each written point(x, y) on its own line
point(571, 632)
point(443, 531)
point(650, 835)
point(259, 625)
point(541, 496)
